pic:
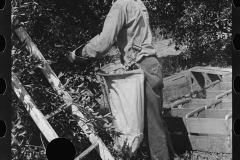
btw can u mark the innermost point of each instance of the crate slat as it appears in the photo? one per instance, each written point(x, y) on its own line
point(207, 126)
point(208, 113)
point(213, 94)
point(221, 86)
point(216, 113)
point(212, 71)
point(195, 103)
point(219, 144)
point(198, 125)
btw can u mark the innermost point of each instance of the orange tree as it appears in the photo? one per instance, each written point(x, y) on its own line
point(57, 27)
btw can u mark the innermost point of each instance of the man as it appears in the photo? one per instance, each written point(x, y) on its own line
point(127, 23)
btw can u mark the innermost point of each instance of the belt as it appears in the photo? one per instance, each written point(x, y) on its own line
point(147, 57)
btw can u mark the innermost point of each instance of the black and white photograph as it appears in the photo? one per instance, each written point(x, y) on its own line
point(121, 80)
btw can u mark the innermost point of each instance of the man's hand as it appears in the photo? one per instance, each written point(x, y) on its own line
point(76, 55)
point(71, 56)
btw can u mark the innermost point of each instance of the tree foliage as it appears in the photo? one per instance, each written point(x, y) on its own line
point(58, 26)
point(203, 26)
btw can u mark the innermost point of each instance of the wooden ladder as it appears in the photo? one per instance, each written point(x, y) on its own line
point(39, 118)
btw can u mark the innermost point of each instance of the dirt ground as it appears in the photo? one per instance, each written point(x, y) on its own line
point(198, 155)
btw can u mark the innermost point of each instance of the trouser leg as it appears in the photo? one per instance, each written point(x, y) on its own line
point(158, 138)
point(169, 142)
point(156, 131)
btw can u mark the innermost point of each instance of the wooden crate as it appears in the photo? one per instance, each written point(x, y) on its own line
point(194, 79)
point(209, 121)
point(180, 85)
point(195, 132)
point(208, 129)
point(212, 74)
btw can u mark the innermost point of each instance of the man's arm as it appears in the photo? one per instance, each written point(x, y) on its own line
point(101, 44)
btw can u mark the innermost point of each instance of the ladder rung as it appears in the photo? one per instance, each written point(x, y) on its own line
point(89, 149)
point(60, 109)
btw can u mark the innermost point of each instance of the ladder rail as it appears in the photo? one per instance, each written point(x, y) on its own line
point(84, 153)
point(34, 112)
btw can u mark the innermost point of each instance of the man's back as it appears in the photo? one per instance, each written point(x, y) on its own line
point(133, 22)
point(122, 24)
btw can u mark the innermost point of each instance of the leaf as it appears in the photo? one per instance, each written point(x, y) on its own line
point(60, 74)
point(91, 110)
point(84, 98)
point(38, 66)
point(95, 113)
point(31, 72)
point(13, 130)
point(72, 90)
point(19, 126)
point(50, 62)
point(105, 120)
point(18, 73)
point(100, 116)
point(56, 45)
point(81, 85)
point(15, 141)
point(22, 133)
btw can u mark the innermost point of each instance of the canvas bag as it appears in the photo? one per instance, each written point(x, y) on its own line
point(125, 90)
point(126, 99)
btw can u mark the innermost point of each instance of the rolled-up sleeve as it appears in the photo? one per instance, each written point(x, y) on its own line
point(101, 44)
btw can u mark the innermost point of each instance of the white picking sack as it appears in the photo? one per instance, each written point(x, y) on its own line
point(126, 98)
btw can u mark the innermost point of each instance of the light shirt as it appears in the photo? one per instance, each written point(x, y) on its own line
point(121, 25)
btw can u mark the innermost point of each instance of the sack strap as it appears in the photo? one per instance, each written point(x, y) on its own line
point(137, 41)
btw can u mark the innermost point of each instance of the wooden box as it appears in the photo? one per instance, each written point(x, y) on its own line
point(207, 130)
point(200, 124)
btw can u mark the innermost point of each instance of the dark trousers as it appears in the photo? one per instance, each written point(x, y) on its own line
point(155, 128)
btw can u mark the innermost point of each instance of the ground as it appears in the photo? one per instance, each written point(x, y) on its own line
point(198, 155)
